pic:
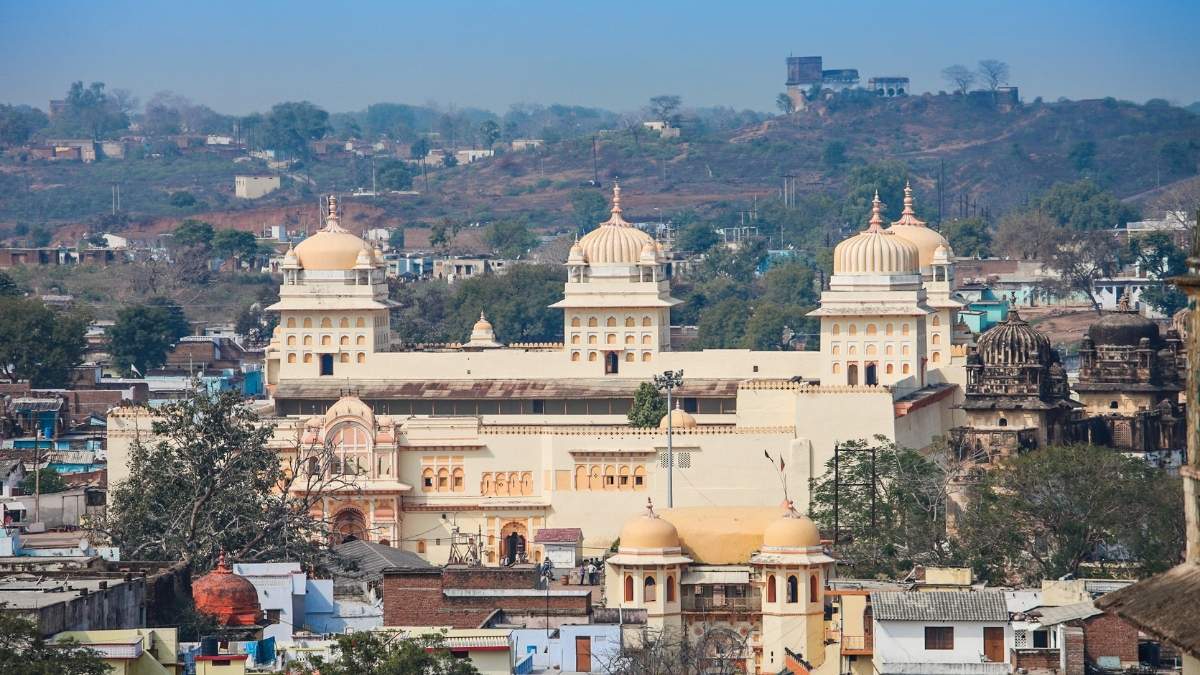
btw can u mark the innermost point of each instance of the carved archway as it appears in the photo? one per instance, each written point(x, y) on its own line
point(349, 524)
point(512, 543)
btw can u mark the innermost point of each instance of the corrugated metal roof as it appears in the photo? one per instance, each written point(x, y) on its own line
point(497, 389)
point(1057, 615)
point(939, 606)
point(373, 558)
point(477, 642)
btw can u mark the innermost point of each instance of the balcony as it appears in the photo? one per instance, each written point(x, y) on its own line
point(700, 603)
point(857, 644)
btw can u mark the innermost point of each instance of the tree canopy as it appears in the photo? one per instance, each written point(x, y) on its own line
point(91, 112)
point(290, 126)
point(38, 343)
point(144, 334)
point(510, 238)
point(648, 408)
point(589, 208)
point(24, 650)
point(374, 653)
point(394, 174)
point(47, 481)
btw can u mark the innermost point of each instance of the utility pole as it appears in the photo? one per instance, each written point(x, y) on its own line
point(595, 164)
point(669, 380)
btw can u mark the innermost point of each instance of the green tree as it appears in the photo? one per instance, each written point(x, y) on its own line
point(207, 480)
point(588, 208)
point(1159, 258)
point(1079, 258)
point(489, 133)
point(1178, 157)
point(24, 650)
point(510, 238)
point(396, 238)
point(968, 237)
point(90, 112)
point(862, 182)
point(649, 406)
point(1084, 206)
point(290, 126)
point(40, 236)
point(236, 244)
point(697, 237)
point(1048, 512)
point(449, 160)
point(49, 482)
point(664, 106)
point(193, 233)
point(1082, 155)
point(516, 302)
point(721, 326)
point(8, 287)
point(373, 653)
point(891, 508)
point(393, 174)
point(182, 199)
point(439, 239)
point(142, 335)
point(419, 149)
point(833, 155)
point(19, 122)
point(784, 103)
point(790, 283)
point(39, 344)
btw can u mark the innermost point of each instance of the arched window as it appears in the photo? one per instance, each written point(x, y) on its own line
point(291, 322)
point(326, 323)
point(344, 323)
point(852, 329)
point(904, 328)
point(1003, 422)
point(771, 588)
point(575, 322)
point(837, 351)
point(852, 374)
point(581, 477)
point(649, 592)
point(486, 487)
point(904, 350)
point(837, 368)
point(420, 546)
point(344, 357)
point(887, 329)
point(629, 357)
point(326, 340)
point(574, 356)
point(307, 340)
point(594, 480)
point(610, 477)
point(360, 323)
point(629, 322)
point(937, 339)
point(870, 329)
point(527, 483)
point(888, 369)
point(592, 356)
point(835, 330)
point(427, 480)
point(904, 369)
point(458, 480)
point(611, 322)
point(646, 321)
point(793, 589)
point(628, 588)
point(670, 584)
point(575, 339)
point(308, 358)
point(591, 339)
point(291, 340)
point(812, 588)
point(871, 350)
point(344, 340)
point(362, 357)
point(307, 322)
point(937, 357)
point(623, 479)
point(611, 338)
point(936, 321)
point(639, 477)
point(645, 356)
point(1113, 405)
point(852, 350)
point(592, 322)
point(360, 340)
point(630, 339)
point(646, 339)
point(888, 350)
point(443, 480)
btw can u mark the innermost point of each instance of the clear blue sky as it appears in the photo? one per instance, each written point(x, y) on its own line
point(244, 56)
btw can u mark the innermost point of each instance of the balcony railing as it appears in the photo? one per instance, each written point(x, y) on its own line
point(696, 603)
point(856, 643)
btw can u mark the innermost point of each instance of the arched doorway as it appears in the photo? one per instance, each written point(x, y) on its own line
point(872, 377)
point(349, 524)
point(512, 543)
point(611, 362)
point(852, 374)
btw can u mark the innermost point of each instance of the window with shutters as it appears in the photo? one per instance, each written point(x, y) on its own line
point(939, 637)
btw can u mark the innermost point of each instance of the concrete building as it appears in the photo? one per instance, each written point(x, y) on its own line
point(136, 651)
point(253, 187)
point(959, 632)
point(889, 86)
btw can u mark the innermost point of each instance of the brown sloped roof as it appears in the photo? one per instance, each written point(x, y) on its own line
point(495, 389)
point(1166, 605)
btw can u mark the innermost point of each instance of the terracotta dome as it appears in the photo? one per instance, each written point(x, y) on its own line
point(1124, 327)
point(227, 597)
point(680, 419)
point(875, 250)
point(1014, 343)
point(331, 248)
point(792, 530)
point(648, 531)
point(913, 230)
point(614, 241)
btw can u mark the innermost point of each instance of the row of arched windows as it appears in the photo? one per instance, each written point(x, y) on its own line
point(870, 349)
point(793, 589)
point(889, 368)
point(326, 322)
point(630, 357)
point(610, 477)
point(506, 484)
point(327, 340)
point(650, 588)
point(611, 322)
point(888, 328)
point(344, 357)
point(611, 339)
point(443, 479)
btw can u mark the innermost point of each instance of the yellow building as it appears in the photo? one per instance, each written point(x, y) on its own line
point(499, 441)
point(135, 651)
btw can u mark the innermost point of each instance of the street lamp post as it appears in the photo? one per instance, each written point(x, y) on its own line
point(669, 380)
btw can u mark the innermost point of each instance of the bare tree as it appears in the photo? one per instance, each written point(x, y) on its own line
point(718, 651)
point(993, 73)
point(1177, 202)
point(960, 77)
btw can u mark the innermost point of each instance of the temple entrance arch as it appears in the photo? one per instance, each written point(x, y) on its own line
point(512, 543)
point(349, 524)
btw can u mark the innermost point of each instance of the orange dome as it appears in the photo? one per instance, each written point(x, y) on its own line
point(229, 598)
point(331, 248)
point(648, 531)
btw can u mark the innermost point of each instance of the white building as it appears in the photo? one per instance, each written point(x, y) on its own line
point(253, 187)
point(281, 590)
point(941, 632)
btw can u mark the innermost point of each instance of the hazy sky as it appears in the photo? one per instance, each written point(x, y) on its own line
point(244, 56)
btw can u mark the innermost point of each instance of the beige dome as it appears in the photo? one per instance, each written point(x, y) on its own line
point(350, 406)
point(482, 334)
point(915, 231)
point(332, 248)
point(680, 419)
point(648, 531)
point(875, 251)
point(614, 241)
point(721, 535)
point(576, 255)
point(792, 531)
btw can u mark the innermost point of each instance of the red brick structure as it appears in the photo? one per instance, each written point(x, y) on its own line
point(1073, 643)
point(467, 597)
point(1109, 635)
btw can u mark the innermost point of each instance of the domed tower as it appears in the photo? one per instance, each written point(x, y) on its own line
point(482, 336)
point(617, 302)
point(935, 260)
point(227, 597)
point(792, 568)
point(333, 306)
point(1017, 396)
point(645, 572)
point(874, 315)
point(1129, 381)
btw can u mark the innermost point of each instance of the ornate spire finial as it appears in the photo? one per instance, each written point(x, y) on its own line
point(615, 219)
point(482, 317)
point(876, 214)
point(616, 197)
point(222, 566)
point(908, 200)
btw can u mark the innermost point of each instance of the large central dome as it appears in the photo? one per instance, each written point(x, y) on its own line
point(332, 248)
point(1014, 343)
point(875, 251)
point(615, 240)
